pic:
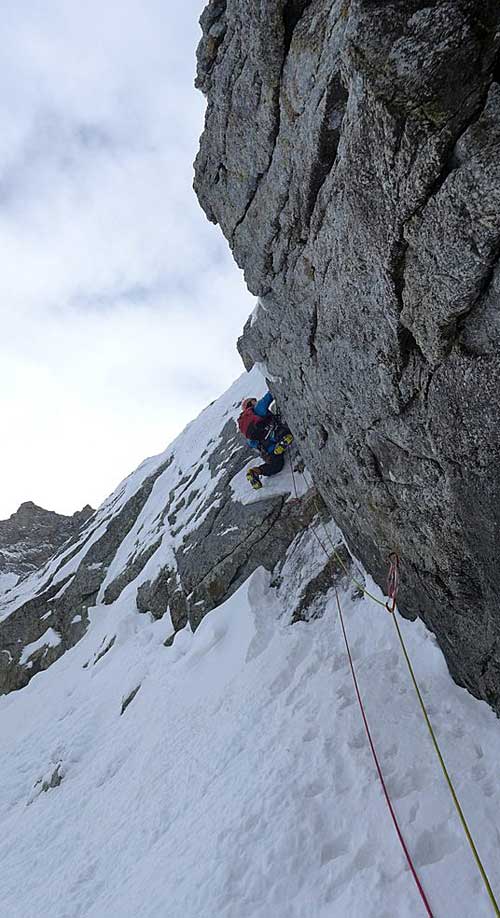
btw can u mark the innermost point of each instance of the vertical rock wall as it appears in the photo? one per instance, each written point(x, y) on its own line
point(351, 155)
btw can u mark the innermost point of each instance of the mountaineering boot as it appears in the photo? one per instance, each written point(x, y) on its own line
point(254, 478)
point(283, 444)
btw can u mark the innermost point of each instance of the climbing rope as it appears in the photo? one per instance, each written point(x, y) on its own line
point(367, 728)
point(393, 583)
point(377, 764)
point(392, 588)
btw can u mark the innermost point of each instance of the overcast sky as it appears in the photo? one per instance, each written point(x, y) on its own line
point(119, 302)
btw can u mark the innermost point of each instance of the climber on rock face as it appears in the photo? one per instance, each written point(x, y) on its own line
point(264, 432)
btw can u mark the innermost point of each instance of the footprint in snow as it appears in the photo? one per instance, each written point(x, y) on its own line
point(366, 856)
point(478, 772)
point(302, 702)
point(414, 779)
point(310, 734)
point(345, 697)
point(458, 730)
point(358, 741)
point(296, 656)
point(329, 747)
point(282, 681)
point(314, 788)
point(391, 660)
point(489, 788)
point(339, 662)
point(251, 823)
point(434, 845)
point(259, 643)
point(338, 847)
point(412, 815)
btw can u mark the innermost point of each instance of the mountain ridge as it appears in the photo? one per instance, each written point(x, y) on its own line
point(177, 537)
point(31, 535)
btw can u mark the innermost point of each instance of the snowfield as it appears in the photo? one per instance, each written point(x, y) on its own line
point(238, 782)
point(188, 455)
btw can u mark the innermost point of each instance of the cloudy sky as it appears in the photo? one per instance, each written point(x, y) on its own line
point(119, 302)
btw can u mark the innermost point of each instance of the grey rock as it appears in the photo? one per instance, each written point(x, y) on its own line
point(264, 531)
point(32, 535)
point(218, 542)
point(130, 697)
point(231, 540)
point(164, 592)
point(62, 604)
point(351, 157)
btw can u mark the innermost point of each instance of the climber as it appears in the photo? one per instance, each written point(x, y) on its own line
point(265, 432)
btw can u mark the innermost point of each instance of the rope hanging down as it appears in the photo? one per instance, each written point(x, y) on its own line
point(392, 588)
point(368, 731)
point(378, 767)
point(392, 584)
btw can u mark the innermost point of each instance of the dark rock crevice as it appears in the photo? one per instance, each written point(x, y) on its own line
point(496, 70)
point(293, 11)
point(484, 286)
point(129, 699)
point(392, 228)
point(312, 333)
point(333, 110)
point(251, 199)
point(308, 606)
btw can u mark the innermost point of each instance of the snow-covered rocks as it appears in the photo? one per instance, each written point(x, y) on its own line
point(30, 536)
point(237, 780)
point(177, 537)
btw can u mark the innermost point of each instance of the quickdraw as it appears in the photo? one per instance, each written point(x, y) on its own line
point(392, 582)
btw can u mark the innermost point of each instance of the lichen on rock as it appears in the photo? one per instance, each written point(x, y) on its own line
point(351, 157)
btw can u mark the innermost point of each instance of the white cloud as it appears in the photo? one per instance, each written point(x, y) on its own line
point(119, 303)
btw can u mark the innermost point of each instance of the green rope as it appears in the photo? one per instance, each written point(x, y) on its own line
point(338, 557)
point(446, 773)
point(422, 706)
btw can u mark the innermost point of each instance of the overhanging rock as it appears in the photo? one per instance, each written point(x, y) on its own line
point(351, 155)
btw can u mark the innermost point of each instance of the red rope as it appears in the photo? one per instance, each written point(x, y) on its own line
point(377, 764)
point(392, 581)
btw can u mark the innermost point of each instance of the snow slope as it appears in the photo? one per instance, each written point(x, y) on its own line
point(185, 528)
point(238, 781)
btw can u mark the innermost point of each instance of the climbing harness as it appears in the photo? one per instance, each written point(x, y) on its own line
point(393, 581)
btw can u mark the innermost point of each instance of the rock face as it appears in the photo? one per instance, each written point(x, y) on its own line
point(351, 156)
point(177, 537)
point(31, 536)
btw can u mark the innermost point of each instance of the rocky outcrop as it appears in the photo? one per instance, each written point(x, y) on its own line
point(232, 539)
point(32, 535)
point(351, 156)
point(179, 536)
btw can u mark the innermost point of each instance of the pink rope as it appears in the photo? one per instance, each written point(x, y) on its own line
point(379, 770)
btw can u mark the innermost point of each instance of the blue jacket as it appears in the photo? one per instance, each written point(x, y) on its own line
point(262, 409)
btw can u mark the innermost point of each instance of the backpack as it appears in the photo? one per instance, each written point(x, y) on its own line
point(252, 426)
